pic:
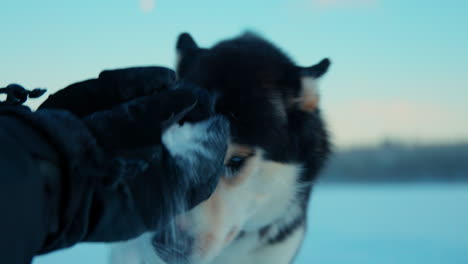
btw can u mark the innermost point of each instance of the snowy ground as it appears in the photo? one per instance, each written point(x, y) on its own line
point(403, 224)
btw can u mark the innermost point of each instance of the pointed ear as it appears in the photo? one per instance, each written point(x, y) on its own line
point(308, 97)
point(318, 70)
point(185, 43)
point(187, 49)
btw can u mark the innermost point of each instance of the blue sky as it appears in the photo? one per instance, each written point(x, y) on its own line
point(399, 67)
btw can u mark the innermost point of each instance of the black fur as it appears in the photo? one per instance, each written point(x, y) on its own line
point(247, 72)
point(283, 232)
point(256, 84)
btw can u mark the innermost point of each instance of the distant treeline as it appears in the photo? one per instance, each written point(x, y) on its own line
point(399, 163)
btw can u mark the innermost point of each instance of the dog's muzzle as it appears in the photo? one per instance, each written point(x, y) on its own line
point(173, 246)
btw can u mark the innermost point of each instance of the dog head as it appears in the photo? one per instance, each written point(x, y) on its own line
point(278, 142)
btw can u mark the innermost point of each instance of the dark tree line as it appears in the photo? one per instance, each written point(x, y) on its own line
point(399, 163)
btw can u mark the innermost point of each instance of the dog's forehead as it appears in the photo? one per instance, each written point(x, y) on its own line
point(251, 77)
point(245, 66)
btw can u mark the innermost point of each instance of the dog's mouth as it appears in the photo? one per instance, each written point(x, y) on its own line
point(182, 248)
point(174, 247)
point(183, 242)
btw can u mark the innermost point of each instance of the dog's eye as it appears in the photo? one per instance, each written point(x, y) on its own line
point(236, 162)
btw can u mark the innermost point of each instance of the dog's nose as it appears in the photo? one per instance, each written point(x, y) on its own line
point(173, 246)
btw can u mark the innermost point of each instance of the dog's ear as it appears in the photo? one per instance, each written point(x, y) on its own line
point(185, 44)
point(187, 49)
point(318, 70)
point(308, 97)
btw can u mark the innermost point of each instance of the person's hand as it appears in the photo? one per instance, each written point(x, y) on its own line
point(121, 127)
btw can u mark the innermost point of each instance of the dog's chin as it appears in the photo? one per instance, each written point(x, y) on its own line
point(171, 255)
point(198, 249)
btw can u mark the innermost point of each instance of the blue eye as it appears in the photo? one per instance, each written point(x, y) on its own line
point(236, 162)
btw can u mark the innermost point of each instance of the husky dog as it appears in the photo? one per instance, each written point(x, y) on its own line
point(279, 144)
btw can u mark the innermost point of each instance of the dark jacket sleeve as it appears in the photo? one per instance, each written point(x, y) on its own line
point(29, 191)
point(56, 189)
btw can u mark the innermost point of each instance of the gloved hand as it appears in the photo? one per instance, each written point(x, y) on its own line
point(134, 166)
point(121, 85)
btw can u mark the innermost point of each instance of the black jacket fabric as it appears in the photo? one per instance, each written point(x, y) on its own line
point(29, 190)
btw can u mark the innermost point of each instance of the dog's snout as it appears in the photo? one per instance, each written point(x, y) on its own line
point(174, 246)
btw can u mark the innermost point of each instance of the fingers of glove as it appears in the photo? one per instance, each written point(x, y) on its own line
point(199, 150)
point(139, 81)
point(205, 106)
point(80, 98)
point(113, 87)
point(201, 110)
point(138, 123)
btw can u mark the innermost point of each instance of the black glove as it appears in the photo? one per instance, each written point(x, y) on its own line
point(117, 130)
